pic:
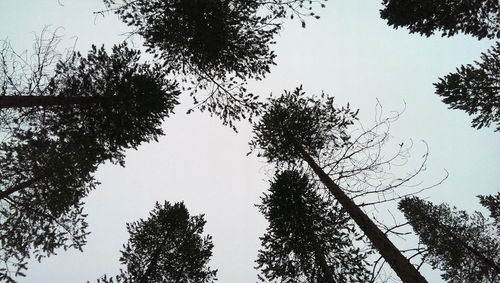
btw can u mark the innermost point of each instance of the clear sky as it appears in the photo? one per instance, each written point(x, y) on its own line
point(349, 53)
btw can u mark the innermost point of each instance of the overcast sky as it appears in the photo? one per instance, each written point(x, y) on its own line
point(349, 53)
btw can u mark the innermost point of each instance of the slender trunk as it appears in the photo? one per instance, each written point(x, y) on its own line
point(153, 263)
point(43, 101)
point(22, 185)
point(320, 257)
point(319, 254)
point(399, 263)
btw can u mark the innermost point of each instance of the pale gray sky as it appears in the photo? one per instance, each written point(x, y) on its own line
point(349, 53)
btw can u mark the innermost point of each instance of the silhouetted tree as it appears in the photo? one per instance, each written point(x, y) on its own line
point(475, 89)
point(216, 45)
point(295, 129)
point(309, 239)
point(166, 247)
point(89, 111)
point(464, 247)
point(479, 18)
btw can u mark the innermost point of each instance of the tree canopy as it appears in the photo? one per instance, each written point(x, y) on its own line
point(479, 18)
point(215, 45)
point(475, 89)
point(294, 118)
point(91, 110)
point(309, 239)
point(465, 247)
point(167, 247)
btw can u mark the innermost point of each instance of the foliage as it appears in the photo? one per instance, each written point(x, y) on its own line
point(479, 18)
point(492, 203)
point(217, 45)
point(464, 246)
point(132, 99)
point(47, 159)
point(47, 213)
point(167, 247)
point(295, 118)
point(307, 234)
point(475, 89)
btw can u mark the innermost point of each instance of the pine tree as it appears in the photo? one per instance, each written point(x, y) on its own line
point(464, 246)
point(308, 239)
point(166, 247)
point(296, 129)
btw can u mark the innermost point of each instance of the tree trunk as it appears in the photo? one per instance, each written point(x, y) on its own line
point(22, 185)
point(320, 257)
point(399, 263)
point(153, 263)
point(43, 101)
point(319, 254)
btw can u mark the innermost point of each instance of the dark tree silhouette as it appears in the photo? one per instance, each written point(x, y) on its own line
point(166, 247)
point(294, 129)
point(89, 111)
point(309, 239)
point(215, 45)
point(465, 247)
point(479, 18)
point(475, 89)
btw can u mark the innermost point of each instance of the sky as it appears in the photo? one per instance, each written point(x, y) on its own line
point(349, 53)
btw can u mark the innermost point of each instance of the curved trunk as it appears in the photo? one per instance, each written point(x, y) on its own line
point(399, 263)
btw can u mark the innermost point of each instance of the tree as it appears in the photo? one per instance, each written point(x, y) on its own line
point(167, 247)
point(308, 239)
point(479, 18)
point(215, 45)
point(295, 128)
point(90, 110)
point(464, 247)
point(475, 89)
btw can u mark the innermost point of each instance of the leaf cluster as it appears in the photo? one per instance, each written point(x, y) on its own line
point(293, 118)
point(479, 18)
point(475, 89)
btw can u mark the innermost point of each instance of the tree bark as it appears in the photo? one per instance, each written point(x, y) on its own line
point(44, 101)
point(399, 263)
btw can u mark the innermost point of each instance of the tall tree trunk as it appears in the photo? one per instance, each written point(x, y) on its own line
point(399, 263)
point(319, 253)
point(320, 257)
point(43, 101)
